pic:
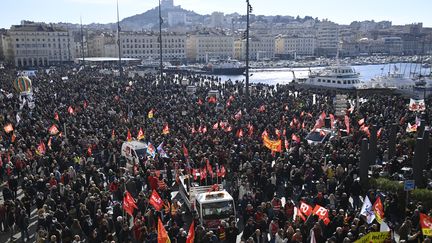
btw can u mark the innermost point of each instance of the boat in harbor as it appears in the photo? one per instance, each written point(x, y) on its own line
point(333, 77)
point(394, 80)
point(225, 67)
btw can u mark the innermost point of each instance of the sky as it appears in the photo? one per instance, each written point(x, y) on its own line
point(104, 11)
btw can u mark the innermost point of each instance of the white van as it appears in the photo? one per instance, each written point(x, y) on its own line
point(134, 152)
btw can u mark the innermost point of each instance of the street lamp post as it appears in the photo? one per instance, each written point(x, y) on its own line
point(249, 10)
point(118, 44)
point(160, 43)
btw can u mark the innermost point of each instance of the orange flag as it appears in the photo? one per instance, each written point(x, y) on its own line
point(191, 235)
point(273, 145)
point(140, 135)
point(8, 128)
point(129, 136)
point(162, 233)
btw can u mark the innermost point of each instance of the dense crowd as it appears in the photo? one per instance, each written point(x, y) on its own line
point(74, 190)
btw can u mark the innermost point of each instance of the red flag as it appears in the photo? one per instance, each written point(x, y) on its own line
point(193, 131)
point(89, 151)
point(191, 235)
point(113, 134)
point(165, 129)
point(221, 172)
point(228, 104)
point(129, 136)
point(53, 130)
point(140, 135)
point(264, 134)
point(332, 119)
point(49, 142)
point(209, 168)
point(185, 151)
point(286, 107)
point(13, 137)
point(361, 122)
point(162, 234)
point(322, 213)
point(215, 126)
point(70, 110)
point(212, 100)
point(379, 133)
point(231, 98)
point(203, 173)
point(129, 203)
point(295, 138)
point(378, 210)
point(85, 104)
point(56, 116)
point(238, 115)
point(322, 133)
point(347, 123)
point(262, 108)
point(199, 101)
point(277, 132)
point(204, 129)
point(8, 128)
point(318, 124)
point(286, 144)
point(250, 129)
point(305, 209)
point(156, 201)
point(41, 149)
point(323, 116)
point(426, 224)
point(239, 133)
point(301, 215)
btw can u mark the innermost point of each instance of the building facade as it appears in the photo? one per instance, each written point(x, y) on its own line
point(287, 47)
point(327, 39)
point(260, 48)
point(201, 46)
point(37, 44)
point(145, 45)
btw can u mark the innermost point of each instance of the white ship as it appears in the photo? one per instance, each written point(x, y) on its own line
point(333, 77)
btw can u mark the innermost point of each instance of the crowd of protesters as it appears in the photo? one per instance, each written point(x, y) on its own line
point(73, 190)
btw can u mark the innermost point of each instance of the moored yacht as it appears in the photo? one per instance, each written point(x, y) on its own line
point(334, 77)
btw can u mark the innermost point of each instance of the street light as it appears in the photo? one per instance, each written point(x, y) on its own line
point(248, 11)
point(160, 42)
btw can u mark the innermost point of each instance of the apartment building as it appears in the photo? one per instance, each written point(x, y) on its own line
point(201, 46)
point(37, 44)
point(291, 46)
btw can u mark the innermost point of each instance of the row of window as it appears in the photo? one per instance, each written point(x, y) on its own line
point(152, 52)
point(151, 40)
point(338, 81)
point(43, 40)
point(151, 46)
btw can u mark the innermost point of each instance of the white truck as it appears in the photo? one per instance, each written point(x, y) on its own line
point(212, 203)
point(134, 152)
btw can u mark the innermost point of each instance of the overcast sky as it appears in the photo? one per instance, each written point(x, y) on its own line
point(104, 11)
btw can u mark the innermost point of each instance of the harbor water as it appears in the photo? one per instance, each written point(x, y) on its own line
point(282, 76)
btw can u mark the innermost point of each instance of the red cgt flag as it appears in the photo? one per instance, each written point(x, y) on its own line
point(156, 200)
point(215, 126)
point(129, 203)
point(56, 116)
point(129, 136)
point(191, 235)
point(165, 129)
point(70, 110)
point(426, 224)
point(185, 151)
point(53, 130)
point(239, 133)
point(140, 135)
